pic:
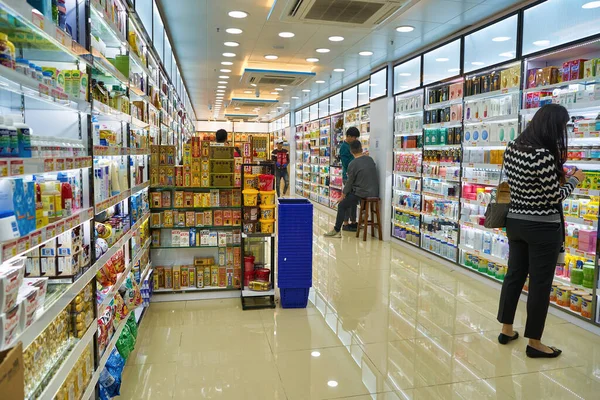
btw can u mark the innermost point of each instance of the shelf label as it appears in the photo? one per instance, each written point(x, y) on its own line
point(23, 244)
point(9, 250)
point(17, 167)
point(35, 238)
point(63, 38)
point(37, 19)
point(3, 168)
point(60, 227)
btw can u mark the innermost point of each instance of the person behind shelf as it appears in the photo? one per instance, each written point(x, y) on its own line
point(362, 182)
point(533, 164)
point(346, 157)
point(221, 137)
point(281, 158)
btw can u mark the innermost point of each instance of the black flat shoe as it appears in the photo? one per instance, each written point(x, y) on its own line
point(535, 353)
point(505, 339)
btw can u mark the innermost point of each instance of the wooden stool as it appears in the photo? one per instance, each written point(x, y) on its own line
point(369, 205)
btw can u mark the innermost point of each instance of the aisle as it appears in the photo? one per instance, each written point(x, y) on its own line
point(381, 325)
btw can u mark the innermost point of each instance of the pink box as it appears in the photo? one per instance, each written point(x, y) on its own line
point(566, 71)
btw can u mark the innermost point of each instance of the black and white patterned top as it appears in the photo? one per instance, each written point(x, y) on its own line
point(535, 190)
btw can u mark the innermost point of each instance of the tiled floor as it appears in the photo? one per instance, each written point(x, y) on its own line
point(382, 323)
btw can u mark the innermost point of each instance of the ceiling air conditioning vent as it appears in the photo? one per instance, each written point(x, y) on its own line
point(246, 102)
point(355, 13)
point(272, 77)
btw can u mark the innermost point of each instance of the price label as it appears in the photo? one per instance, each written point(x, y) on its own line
point(50, 231)
point(23, 244)
point(60, 227)
point(3, 168)
point(35, 238)
point(9, 250)
point(63, 38)
point(37, 19)
point(17, 167)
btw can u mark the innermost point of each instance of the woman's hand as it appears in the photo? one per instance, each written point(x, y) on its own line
point(579, 175)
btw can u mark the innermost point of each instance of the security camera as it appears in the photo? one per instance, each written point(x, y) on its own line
point(257, 92)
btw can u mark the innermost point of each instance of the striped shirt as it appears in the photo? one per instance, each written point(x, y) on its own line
point(535, 190)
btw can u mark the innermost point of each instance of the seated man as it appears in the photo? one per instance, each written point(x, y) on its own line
point(362, 182)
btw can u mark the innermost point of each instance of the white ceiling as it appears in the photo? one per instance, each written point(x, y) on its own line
point(197, 29)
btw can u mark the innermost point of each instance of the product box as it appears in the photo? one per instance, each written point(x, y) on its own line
point(179, 176)
point(213, 239)
point(12, 371)
point(168, 220)
point(200, 277)
point(549, 76)
point(589, 68)
point(184, 238)
point(576, 69)
point(188, 199)
point(160, 274)
point(166, 199)
point(68, 265)
point(155, 220)
point(218, 217)
point(192, 238)
point(204, 238)
point(185, 276)
point(190, 218)
point(207, 275)
point(200, 218)
point(176, 277)
point(214, 276)
point(566, 71)
point(208, 218)
point(187, 154)
point(531, 78)
point(222, 277)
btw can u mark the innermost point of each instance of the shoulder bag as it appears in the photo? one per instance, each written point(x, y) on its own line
point(497, 210)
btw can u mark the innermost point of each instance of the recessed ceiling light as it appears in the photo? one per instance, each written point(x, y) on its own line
point(306, 90)
point(319, 81)
point(234, 31)
point(338, 70)
point(442, 59)
point(222, 82)
point(365, 53)
point(541, 43)
point(231, 44)
point(278, 89)
point(405, 28)
point(237, 14)
point(221, 87)
point(477, 63)
point(248, 91)
point(501, 39)
point(322, 50)
point(295, 98)
point(229, 55)
point(336, 38)
point(286, 102)
point(253, 84)
point(508, 54)
point(404, 74)
point(220, 91)
point(591, 4)
point(271, 57)
point(286, 34)
point(277, 93)
point(236, 108)
point(223, 77)
point(332, 383)
point(454, 70)
point(226, 63)
point(312, 59)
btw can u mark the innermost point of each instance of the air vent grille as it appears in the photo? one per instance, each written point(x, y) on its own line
point(345, 11)
point(277, 80)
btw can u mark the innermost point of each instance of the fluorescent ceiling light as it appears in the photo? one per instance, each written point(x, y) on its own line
point(319, 81)
point(286, 102)
point(278, 89)
point(223, 77)
point(442, 59)
point(295, 98)
point(336, 38)
point(306, 90)
point(221, 87)
point(237, 14)
point(404, 74)
point(541, 43)
point(477, 63)
point(222, 82)
point(234, 31)
point(338, 70)
point(236, 108)
point(365, 53)
point(277, 93)
point(405, 28)
point(231, 44)
point(312, 59)
point(229, 55)
point(248, 91)
point(220, 91)
point(591, 4)
point(286, 34)
point(253, 84)
point(322, 50)
point(271, 57)
point(226, 63)
point(501, 39)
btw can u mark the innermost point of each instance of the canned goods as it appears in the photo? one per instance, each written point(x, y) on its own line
point(576, 300)
point(563, 296)
point(553, 292)
point(586, 306)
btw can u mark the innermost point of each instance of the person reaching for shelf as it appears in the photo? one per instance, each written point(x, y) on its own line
point(362, 182)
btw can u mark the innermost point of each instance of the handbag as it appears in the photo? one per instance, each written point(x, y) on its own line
point(497, 211)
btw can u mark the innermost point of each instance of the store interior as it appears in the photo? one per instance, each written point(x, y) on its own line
point(137, 248)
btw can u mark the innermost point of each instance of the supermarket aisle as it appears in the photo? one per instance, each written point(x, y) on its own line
point(381, 324)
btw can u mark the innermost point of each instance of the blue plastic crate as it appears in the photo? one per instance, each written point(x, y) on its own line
point(294, 241)
point(294, 297)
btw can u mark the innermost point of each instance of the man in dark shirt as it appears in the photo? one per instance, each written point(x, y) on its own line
point(362, 182)
point(281, 158)
point(346, 157)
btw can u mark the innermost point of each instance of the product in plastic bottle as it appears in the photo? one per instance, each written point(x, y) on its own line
point(23, 138)
point(7, 51)
point(13, 139)
point(4, 139)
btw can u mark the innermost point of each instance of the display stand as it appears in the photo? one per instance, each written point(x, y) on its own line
point(260, 244)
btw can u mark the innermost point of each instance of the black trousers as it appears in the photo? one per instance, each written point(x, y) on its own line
point(346, 205)
point(351, 212)
point(534, 248)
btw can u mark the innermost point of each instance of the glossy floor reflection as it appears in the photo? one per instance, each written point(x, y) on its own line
point(382, 323)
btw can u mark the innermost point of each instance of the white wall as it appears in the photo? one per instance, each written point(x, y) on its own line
point(213, 126)
point(245, 127)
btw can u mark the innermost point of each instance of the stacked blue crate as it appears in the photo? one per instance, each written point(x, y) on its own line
point(294, 251)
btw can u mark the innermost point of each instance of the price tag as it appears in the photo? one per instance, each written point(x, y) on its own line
point(37, 19)
point(50, 231)
point(3, 168)
point(63, 38)
point(35, 238)
point(17, 167)
point(22, 244)
point(9, 250)
point(60, 227)
point(48, 165)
